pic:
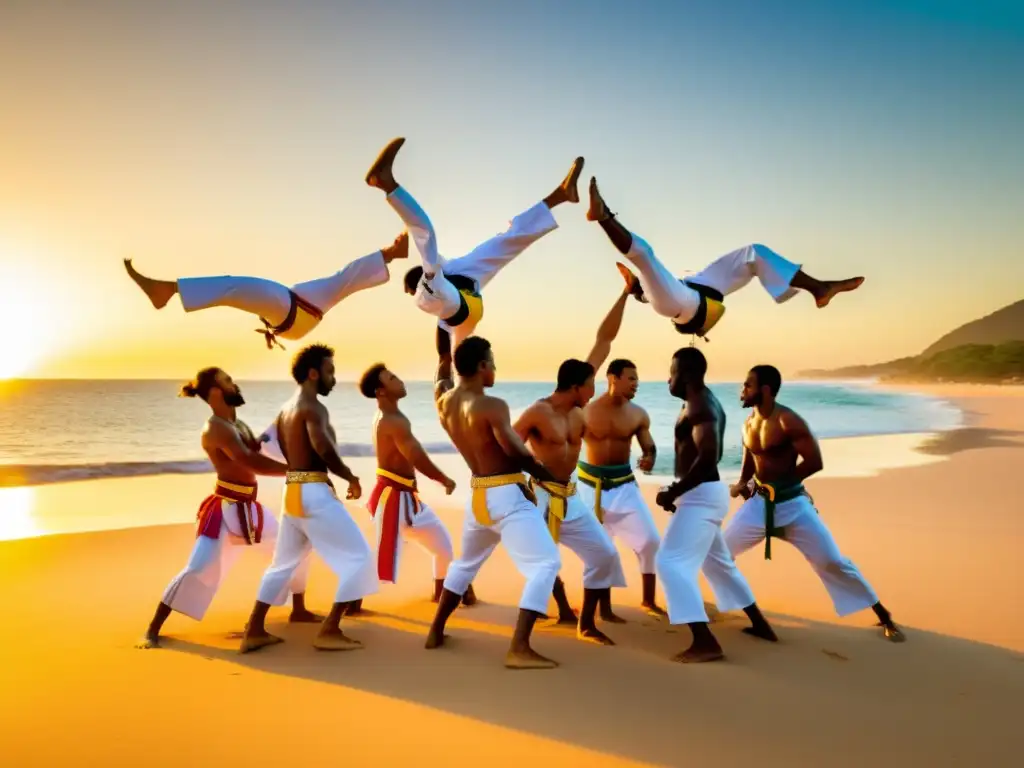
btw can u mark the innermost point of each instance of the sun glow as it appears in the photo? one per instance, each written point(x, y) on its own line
point(17, 520)
point(29, 332)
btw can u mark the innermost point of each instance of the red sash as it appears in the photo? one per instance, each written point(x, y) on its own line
point(386, 500)
point(250, 512)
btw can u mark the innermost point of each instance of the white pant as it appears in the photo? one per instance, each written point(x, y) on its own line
point(270, 300)
point(805, 530)
point(580, 532)
point(518, 525)
point(627, 517)
point(693, 539)
point(671, 297)
point(327, 528)
point(192, 590)
point(437, 296)
point(427, 530)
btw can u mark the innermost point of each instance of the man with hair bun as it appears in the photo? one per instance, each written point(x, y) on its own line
point(230, 517)
point(313, 517)
point(553, 429)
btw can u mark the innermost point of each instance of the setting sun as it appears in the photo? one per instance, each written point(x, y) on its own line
point(29, 330)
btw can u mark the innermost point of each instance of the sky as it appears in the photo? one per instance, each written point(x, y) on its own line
point(872, 138)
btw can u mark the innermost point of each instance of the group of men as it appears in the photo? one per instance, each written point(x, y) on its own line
point(530, 489)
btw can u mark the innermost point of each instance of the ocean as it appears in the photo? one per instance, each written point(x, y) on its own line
point(58, 431)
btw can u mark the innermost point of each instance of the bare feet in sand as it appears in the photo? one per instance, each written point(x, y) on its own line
point(305, 617)
point(380, 174)
point(159, 292)
point(893, 634)
point(693, 655)
point(610, 617)
point(149, 640)
point(435, 639)
point(593, 635)
point(469, 597)
point(834, 287)
point(527, 658)
point(655, 610)
point(256, 640)
point(335, 640)
point(764, 632)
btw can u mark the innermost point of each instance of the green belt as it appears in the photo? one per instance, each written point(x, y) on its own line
point(773, 495)
point(604, 478)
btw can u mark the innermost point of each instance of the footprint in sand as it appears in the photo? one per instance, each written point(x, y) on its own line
point(835, 655)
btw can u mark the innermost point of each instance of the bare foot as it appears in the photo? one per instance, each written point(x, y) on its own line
point(305, 617)
point(833, 287)
point(762, 632)
point(149, 640)
point(380, 174)
point(569, 183)
point(335, 640)
point(159, 292)
point(652, 609)
point(699, 655)
point(593, 635)
point(469, 597)
point(893, 634)
point(435, 639)
point(399, 248)
point(566, 620)
point(597, 211)
point(527, 658)
point(612, 618)
point(632, 282)
point(253, 642)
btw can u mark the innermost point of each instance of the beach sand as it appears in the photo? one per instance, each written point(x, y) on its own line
point(939, 542)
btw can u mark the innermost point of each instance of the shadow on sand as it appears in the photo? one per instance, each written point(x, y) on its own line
point(969, 439)
point(632, 702)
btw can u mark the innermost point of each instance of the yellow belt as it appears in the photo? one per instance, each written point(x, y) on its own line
point(293, 491)
point(597, 482)
point(397, 478)
point(247, 490)
point(480, 486)
point(558, 494)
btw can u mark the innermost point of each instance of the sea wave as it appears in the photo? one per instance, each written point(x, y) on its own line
point(13, 475)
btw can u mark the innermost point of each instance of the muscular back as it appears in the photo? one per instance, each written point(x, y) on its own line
point(470, 419)
point(610, 428)
point(555, 437)
point(386, 429)
point(293, 434)
point(768, 440)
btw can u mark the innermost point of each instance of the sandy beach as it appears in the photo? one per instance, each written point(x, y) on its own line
point(938, 540)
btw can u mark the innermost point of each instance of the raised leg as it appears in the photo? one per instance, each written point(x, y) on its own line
point(365, 272)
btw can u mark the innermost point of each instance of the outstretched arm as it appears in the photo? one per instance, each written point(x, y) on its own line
point(443, 378)
point(401, 432)
point(646, 442)
point(607, 332)
point(319, 430)
point(223, 438)
point(512, 444)
point(804, 443)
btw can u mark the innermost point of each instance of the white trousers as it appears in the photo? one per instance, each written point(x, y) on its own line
point(192, 590)
point(270, 300)
point(580, 532)
point(426, 530)
point(671, 297)
point(693, 539)
point(517, 524)
point(328, 529)
point(627, 517)
point(437, 296)
point(805, 530)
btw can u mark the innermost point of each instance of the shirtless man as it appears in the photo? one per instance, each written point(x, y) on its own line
point(501, 507)
point(288, 313)
point(450, 289)
point(779, 453)
point(608, 485)
point(695, 304)
point(230, 517)
point(698, 502)
point(397, 510)
point(314, 518)
point(553, 429)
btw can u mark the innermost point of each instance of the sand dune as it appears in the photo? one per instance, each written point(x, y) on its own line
point(939, 542)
